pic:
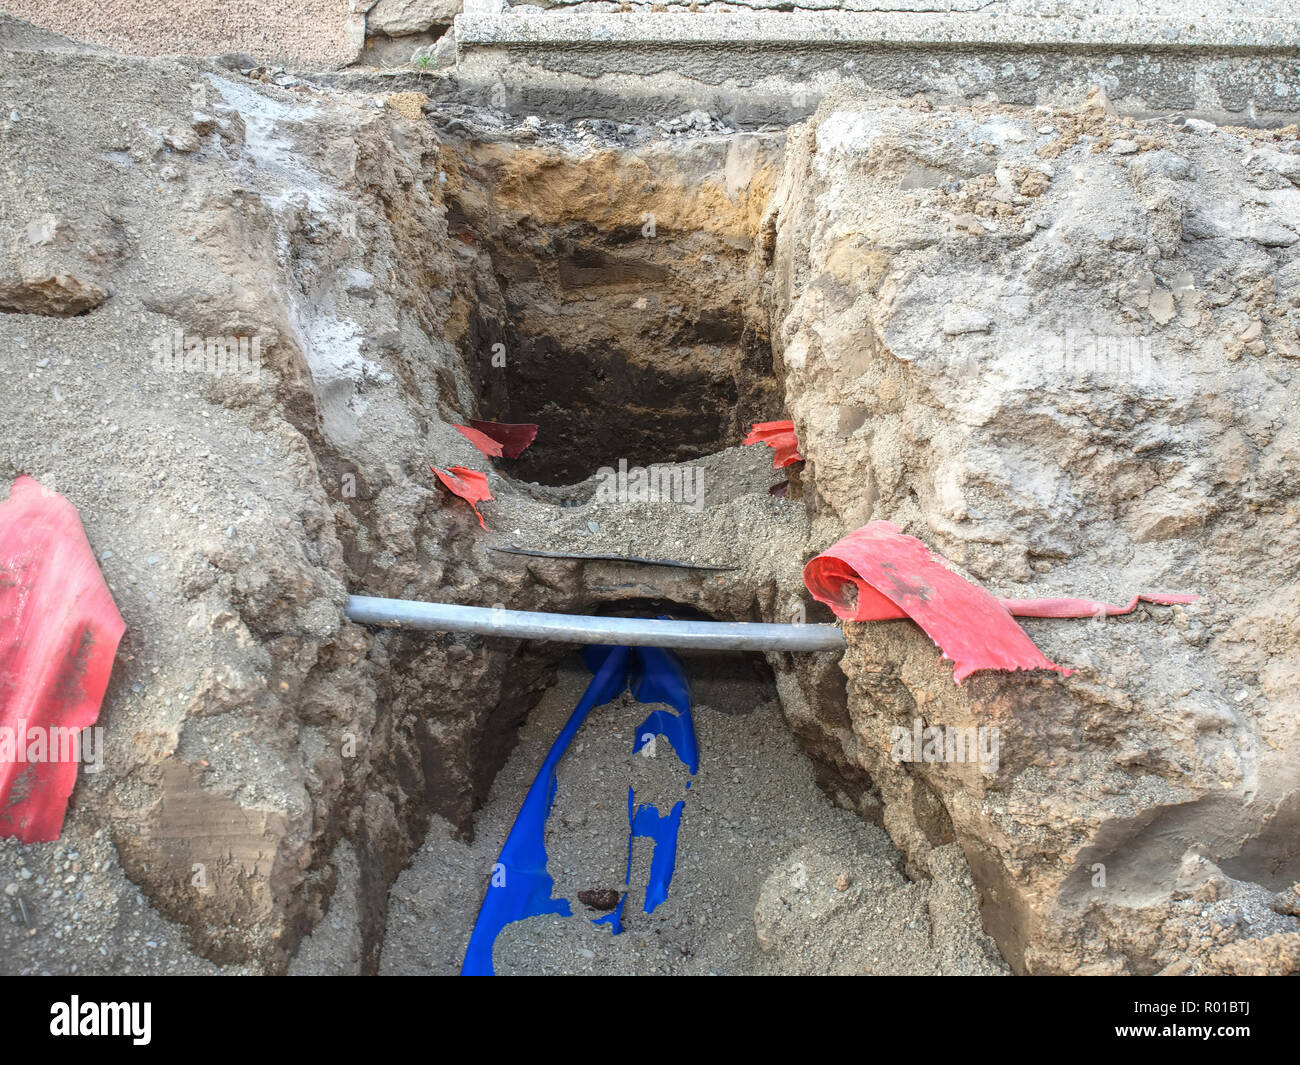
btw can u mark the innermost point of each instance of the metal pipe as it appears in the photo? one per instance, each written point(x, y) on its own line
point(580, 628)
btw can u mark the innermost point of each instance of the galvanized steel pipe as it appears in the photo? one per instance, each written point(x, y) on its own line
point(579, 628)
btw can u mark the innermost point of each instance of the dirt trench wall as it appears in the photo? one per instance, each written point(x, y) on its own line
point(633, 321)
point(1061, 348)
point(249, 727)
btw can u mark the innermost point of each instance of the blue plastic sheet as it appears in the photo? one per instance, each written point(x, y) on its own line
point(520, 886)
point(649, 823)
point(658, 677)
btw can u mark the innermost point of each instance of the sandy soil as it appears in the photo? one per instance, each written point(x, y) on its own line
point(756, 832)
point(713, 529)
point(68, 908)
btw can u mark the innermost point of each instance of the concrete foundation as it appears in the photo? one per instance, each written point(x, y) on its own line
point(754, 66)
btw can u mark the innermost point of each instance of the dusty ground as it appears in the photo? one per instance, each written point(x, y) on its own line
point(757, 834)
point(68, 908)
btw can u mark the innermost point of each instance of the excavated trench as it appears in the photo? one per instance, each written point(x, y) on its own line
point(620, 346)
point(622, 342)
point(411, 264)
point(582, 373)
point(334, 779)
point(628, 342)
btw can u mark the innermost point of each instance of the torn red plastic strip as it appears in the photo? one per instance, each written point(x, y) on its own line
point(889, 569)
point(760, 431)
point(884, 610)
point(59, 631)
point(486, 445)
point(1089, 608)
point(786, 454)
point(780, 437)
point(895, 576)
point(470, 485)
point(514, 437)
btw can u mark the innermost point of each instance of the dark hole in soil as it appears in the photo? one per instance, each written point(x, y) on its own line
point(617, 356)
point(593, 408)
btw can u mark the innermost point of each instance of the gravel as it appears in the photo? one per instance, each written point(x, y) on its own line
point(67, 908)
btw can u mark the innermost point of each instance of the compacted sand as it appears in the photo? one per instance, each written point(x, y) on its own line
point(756, 835)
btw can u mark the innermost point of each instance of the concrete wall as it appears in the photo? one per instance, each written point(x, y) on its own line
point(1223, 60)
